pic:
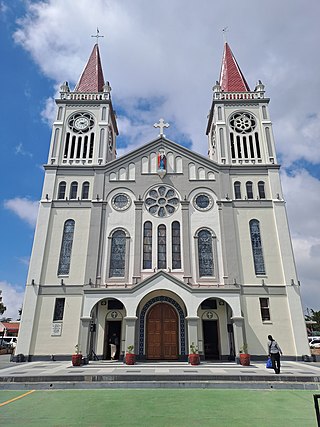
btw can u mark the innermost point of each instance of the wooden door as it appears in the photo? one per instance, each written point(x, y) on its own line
point(162, 332)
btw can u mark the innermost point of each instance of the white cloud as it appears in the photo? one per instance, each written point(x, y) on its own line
point(303, 203)
point(303, 206)
point(25, 260)
point(26, 209)
point(49, 112)
point(12, 298)
point(3, 8)
point(19, 149)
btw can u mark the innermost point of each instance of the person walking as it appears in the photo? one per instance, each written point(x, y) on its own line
point(274, 352)
point(114, 342)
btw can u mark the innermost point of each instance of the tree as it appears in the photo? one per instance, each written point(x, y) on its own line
point(5, 319)
point(313, 316)
point(2, 308)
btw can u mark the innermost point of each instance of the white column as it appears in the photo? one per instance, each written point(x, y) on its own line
point(193, 322)
point(238, 333)
point(130, 333)
point(26, 330)
point(84, 335)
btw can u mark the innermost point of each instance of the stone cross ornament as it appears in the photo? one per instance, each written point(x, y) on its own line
point(161, 125)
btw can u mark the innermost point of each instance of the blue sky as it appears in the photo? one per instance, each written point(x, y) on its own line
point(162, 59)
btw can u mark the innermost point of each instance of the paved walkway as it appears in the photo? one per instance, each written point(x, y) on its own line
point(114, 374)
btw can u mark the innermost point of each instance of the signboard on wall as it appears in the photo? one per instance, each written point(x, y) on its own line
point(56, 329)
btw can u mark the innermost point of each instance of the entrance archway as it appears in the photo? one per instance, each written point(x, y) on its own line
point(143, 323)
point(162, 332)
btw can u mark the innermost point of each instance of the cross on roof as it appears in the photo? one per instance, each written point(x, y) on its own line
point(224, 31)
point(97, 35)
point(161, 125)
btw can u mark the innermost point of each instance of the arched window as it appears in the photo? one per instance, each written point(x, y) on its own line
point(176, 245)
point(249, 190)
point(73, 190)
point(261, 191)
point(62, 190)
point(237, 190)
point(205, 254)
point(85, 190)
point(162, 247)
point(256, 247)
point(66, 247)
point(147, 245)
point(118, 254)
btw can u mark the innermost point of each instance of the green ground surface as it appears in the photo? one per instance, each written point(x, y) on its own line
point(159, 407)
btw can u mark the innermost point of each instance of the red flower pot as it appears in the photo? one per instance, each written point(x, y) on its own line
point(130, 358)
point(244, 359)
point(76, 359)
point(194, 359)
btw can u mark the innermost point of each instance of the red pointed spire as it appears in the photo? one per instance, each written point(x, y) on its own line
point(91, 79)
point(231, 77)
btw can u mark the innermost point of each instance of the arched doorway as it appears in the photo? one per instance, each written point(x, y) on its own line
point(162, 332)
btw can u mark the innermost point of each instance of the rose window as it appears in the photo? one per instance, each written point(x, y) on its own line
point(162, 201)
point(203, 202)
point(242, 122)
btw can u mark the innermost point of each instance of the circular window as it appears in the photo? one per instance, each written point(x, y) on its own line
point(242, 122)
point(203, 202)
point(120, 202)
point(81, 122)
point(161, 201)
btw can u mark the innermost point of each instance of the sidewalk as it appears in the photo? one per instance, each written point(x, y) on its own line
point(114, 374)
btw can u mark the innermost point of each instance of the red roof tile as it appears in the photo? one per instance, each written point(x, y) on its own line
point(11, 326)
point(231, 77)
point(91, 79)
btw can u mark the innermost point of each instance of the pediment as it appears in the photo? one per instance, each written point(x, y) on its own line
point(179, 160)
point(155, 279)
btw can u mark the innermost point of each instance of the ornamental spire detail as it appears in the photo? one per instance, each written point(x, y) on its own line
point(91, 79)
point(231, 77)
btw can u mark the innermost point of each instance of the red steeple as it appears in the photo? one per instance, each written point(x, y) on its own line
point(231, 77)
point(91, 79)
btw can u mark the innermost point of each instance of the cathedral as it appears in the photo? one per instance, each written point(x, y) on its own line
point(162, 247)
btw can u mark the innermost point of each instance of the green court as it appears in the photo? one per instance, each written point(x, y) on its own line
point(158, 407)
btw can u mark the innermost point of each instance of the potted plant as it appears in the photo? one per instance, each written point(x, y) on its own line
point(194, 358)
point(130, 356)
point(77, 357)
point(244, 355)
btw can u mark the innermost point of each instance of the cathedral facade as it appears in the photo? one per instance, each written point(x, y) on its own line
point(163, 247)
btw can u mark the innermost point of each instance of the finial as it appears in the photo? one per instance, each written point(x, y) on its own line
point(224, 31)
point(107, 87)
point(161, 125)
point(64, 87)
point(97, 36)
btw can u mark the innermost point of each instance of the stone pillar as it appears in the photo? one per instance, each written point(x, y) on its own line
point(84, 335)
point(186, 240)
point(130, 333)
point(238, 334)
point(137, 242)
point(26, 326)
point(192, 324)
